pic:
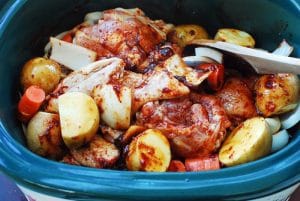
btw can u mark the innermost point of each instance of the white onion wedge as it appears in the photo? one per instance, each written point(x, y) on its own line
point(209, 53)
point(274, 124)
point(279, 140)
point(114, 104)
point(70, 55)
point(48, 46)
point(194, 61)
point(93, 17)
point(290, 119)
point(284, 49)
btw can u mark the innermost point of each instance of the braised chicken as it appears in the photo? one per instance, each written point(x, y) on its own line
point(195, 126)
point(237, 100)
point(99, 154)
point(128, 34)
point(130, 100)
point(85, 79)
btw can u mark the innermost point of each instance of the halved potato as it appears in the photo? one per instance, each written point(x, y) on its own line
point(43, 135)
point(251, 140)
point(184, 34)
point(276, 94)
point(79, 118)
point(235, 36)
point(149, 151)
point(115, 105)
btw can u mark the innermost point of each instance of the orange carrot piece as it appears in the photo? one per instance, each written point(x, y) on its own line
point(176, 166)
point(31, 101)
point(202, 163)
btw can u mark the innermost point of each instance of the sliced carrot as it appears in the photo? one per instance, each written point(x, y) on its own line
point(216, 78)
point(202, 164)
point(176, 166)
point(68, 38)
point(31, 102)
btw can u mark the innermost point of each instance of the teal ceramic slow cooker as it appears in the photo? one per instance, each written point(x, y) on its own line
point(25, 27)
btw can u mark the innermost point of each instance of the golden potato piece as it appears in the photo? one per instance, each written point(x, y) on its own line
point(249, 141)
point(149, 151)
point(131, 132)
point(42, 72)
point(184, 34)
point(43, 135)
point(276, 94)
point(79, 118)
point(235, 36)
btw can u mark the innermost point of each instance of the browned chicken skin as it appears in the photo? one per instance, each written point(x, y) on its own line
point(195, 126)
point(99, 154)
point(237, 100)
point(127, 34)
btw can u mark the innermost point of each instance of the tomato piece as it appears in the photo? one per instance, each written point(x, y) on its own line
point(68, 38)
point(216, 78)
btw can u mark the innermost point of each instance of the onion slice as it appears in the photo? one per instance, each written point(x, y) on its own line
point(279, 140)
point(290, 119)
point(209, 53)
point(70, 55)
point(93, 17)
point(274, 124)
point(194, 61)
point(284, 49)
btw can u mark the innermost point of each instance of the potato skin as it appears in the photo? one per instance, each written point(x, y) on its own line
point(249, 141)
point(42, 72)
point(184, 34)
point(43, 135)
point(235, 36)
point(276, 94)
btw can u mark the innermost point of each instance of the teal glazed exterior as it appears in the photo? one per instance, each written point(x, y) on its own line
point(25, 26)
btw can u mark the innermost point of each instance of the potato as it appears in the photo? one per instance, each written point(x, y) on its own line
point(235, 36)
point(131, 132)
point(115, 105)
point(79, 118)
point(184, 34)
point(42, 72)
point(43, 135)
point(149, 151)
point(276, 94)
point(249, 141)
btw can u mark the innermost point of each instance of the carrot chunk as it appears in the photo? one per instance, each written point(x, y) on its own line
point(31, 102)
point(176, 166)
point(202, 164)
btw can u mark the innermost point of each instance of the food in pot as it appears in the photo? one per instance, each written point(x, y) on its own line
point(133, 100)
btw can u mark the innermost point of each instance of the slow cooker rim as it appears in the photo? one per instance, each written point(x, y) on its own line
point(15, 156)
